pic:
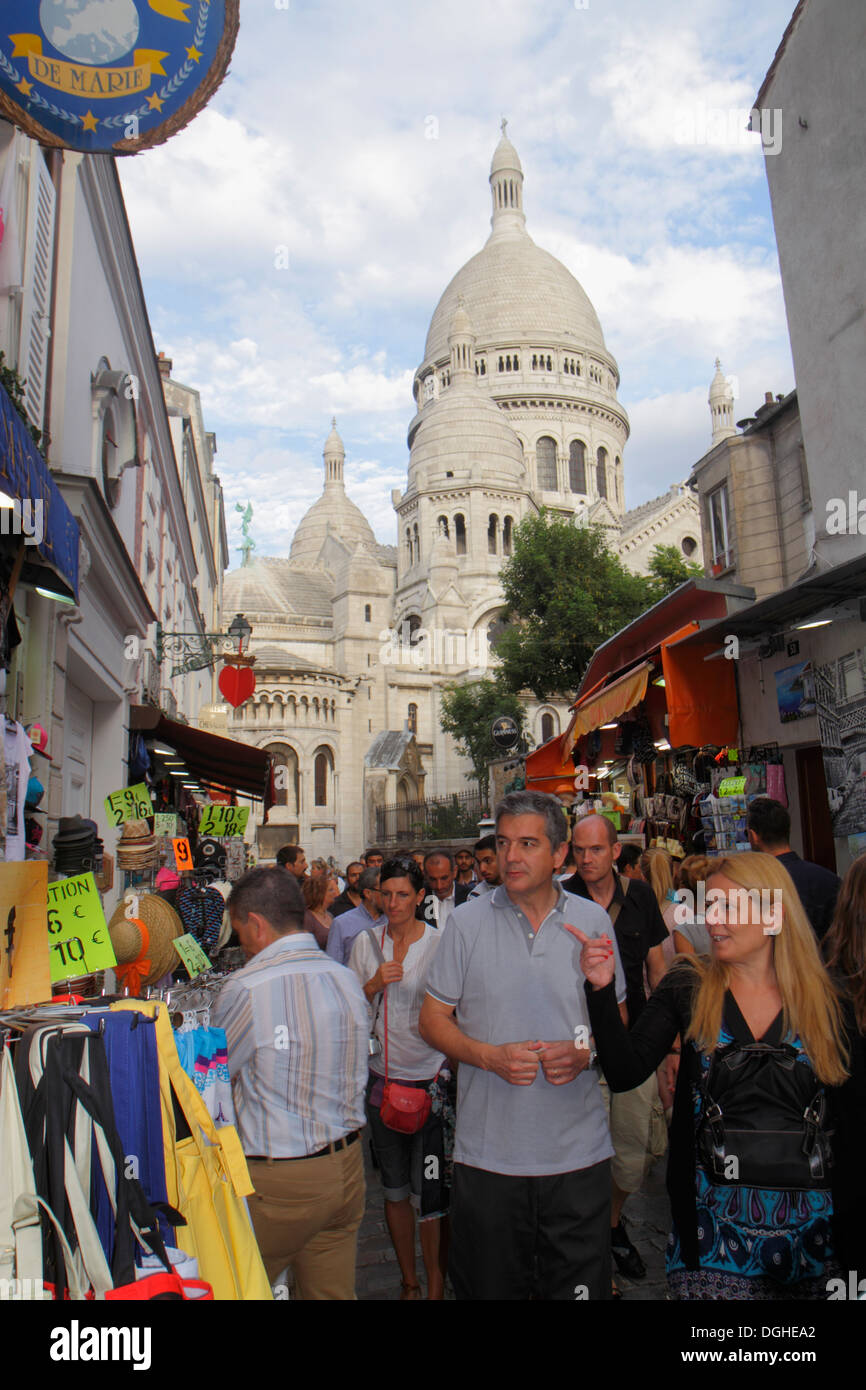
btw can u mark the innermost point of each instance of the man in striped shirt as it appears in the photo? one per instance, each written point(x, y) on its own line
point(297, 1026)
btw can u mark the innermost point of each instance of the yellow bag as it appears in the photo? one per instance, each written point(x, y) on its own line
point(206, 1178)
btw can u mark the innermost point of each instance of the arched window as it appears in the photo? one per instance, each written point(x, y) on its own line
point(577, 465)
point(545, 453)
point(323, 766)
point(547, 729)
point(368, 613)
point(689, 546)
point(601, 473)
point(286, 778)
point(442, 523)
point(412, 719)
point(416, 544)
point(507, 526)
point(492, 528)
point(460, 534)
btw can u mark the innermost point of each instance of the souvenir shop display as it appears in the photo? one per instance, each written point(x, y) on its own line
point(82, 1087)
point(143, 940)
point(15, 753)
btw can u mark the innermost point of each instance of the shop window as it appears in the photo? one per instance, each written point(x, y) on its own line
point(545, 453)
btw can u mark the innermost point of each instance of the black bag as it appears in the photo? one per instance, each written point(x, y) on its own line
point(766, 1109)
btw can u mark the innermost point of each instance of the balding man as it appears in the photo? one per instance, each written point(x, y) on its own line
point(640, 930)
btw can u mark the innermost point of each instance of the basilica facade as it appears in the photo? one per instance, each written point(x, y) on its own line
point(516, 408)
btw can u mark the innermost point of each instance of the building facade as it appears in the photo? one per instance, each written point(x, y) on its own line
point(516, 408)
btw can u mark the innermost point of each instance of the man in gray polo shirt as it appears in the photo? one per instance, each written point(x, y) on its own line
point(530, 1204)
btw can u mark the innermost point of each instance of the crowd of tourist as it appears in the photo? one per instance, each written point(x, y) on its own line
point(522, 1029)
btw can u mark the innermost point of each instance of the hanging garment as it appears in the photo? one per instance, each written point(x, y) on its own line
point(776, 783)
point(133, 1067)
point(201, 912)
point(206, 1176)
point(65, 1093)
point(16, 752)
point(203, 1055)
point(17, 1181)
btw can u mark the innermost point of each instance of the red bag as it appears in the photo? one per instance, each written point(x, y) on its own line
point(404, 1108)
point(162, 1287)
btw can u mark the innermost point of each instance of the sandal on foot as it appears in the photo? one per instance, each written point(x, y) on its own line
point(409, 1292)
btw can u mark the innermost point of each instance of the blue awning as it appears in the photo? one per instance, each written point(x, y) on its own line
point(43, 520)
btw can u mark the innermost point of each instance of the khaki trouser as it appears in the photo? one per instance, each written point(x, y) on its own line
point(637, 1132)
point(306, 1214)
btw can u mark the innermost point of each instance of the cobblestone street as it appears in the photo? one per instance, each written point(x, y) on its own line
point(647, 1215)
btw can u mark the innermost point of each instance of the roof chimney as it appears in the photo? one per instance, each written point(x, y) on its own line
point(165, 365)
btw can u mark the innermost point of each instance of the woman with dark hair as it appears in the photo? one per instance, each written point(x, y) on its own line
point(392, 963)
point(766, 1143)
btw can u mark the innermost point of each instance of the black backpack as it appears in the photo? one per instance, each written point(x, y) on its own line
point(764, 1108)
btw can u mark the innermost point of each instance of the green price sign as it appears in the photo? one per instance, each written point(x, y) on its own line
point(77, 931)
point(732, 786)
point(228, 821)
point(164, 824)
point(130, 803)
point(192, 955)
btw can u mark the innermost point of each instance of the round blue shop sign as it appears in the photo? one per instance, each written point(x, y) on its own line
point(111, 78)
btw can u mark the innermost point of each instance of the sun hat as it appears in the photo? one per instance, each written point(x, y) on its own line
point(142, 944)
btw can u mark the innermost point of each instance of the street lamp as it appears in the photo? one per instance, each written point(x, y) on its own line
point(240, 630)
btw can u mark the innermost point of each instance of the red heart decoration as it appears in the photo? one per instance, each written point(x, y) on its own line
point(237, 683)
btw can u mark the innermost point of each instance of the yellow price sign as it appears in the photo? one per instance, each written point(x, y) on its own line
point(78, 937)
point(130, 803)
point(192, 955)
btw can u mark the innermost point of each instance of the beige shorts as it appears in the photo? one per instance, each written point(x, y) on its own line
point(637, 1131)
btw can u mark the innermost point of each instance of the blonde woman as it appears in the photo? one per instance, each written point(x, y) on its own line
point(656, 866)
point(752, 1218)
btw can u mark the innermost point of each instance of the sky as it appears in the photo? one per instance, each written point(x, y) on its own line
point(295, 238)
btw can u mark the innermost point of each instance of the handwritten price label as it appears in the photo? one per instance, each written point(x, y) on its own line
point(228, 821)
point(130, 803)
point(164, 824)
point(77, 931)
point(182, 854)
point(192, 955)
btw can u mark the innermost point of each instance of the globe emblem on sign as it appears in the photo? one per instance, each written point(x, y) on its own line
point(90, 31)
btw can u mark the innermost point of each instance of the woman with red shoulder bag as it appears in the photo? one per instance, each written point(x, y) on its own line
point(408, 1109)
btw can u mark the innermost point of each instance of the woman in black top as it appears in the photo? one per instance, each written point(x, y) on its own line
point(780, 1228)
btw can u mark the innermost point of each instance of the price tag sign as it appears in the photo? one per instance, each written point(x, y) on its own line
point(732, 786)
point(229, 821)
point(77, 930)
point(130, 803)
point(182, 854)
point(192, 955)
point(164, 824)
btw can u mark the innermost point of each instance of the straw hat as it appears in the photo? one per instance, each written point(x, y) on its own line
point(136, 848)
point(153, 949)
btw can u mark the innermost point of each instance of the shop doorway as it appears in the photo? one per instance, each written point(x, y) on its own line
point(77, 752)
point(815, 821)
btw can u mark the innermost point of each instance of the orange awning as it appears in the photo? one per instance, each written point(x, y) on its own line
point(606, 706)
point(701, 695)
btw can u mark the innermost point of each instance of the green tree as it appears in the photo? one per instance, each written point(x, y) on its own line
point(667, 570)
point(565, 594)
point(468, 712)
